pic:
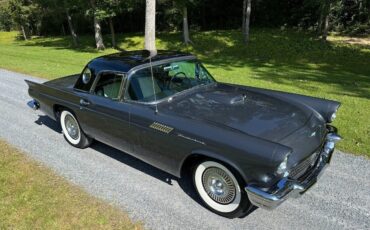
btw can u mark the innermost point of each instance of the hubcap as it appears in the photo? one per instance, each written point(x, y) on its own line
point(218, 185)
point(72, 127)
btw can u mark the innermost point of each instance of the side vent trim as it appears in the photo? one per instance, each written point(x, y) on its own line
point(160, 127)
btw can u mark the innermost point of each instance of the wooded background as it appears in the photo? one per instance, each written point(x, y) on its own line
point(76, 17)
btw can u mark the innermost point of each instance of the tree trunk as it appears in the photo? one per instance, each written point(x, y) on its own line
point(185, 25)
point(98, 35)
point(247, 21)
point(112, 32)
point(24, 33)
point(326, 21)
point(71, 29)
point(244, 15)
point(150, 25)
point(63, 30)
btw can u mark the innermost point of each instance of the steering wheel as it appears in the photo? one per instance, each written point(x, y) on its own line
point(177, 84)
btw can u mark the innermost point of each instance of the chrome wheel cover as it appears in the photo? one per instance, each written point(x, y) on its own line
point(218, 185)
point(72, 127)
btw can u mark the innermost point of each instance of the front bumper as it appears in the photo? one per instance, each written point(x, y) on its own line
point(287, 187)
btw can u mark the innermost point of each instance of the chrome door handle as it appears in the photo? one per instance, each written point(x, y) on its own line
point(84, 102)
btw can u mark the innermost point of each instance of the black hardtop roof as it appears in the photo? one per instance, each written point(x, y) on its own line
point(125, 61)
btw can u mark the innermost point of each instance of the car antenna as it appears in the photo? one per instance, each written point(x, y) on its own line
point(152, 54)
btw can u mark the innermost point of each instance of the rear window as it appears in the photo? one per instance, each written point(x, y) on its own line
point(85, 81)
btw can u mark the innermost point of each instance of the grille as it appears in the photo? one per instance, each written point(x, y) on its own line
point(302, 167)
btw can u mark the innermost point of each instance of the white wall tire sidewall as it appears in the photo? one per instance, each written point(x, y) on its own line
point(203, 194)
point(65, 132)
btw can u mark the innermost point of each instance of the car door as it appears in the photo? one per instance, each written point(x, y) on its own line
point(105, 115)
point(155, 139)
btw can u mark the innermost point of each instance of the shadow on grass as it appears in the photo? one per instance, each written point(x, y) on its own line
point(61, 43)
point(287, 58)
point(273, 56)
point(86, 43)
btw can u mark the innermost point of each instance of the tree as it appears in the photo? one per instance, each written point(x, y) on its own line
point(25, 14)
point(150, 25)
point(325, 13)
point(246, 19)
point(108, 9)
point(69, 5)
point(71, 28)
point(182, 4)
point(60, 10)
point(6, 22)
point(97, 27)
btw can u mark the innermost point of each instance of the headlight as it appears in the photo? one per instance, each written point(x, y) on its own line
point(282, 169)
point(333, 116)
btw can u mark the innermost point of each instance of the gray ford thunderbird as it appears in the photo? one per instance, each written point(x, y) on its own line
point(242, 146)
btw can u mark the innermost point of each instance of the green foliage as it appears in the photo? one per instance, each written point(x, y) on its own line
point(6, 23)
point(351, 17)
point(44, 16)
point(282, 60)
point(26, 13)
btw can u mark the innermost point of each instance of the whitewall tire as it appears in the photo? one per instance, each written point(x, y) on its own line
point(220, 189)
point(72, 131)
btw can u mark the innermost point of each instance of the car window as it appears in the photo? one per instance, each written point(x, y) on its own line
point(85, 81)
point(168, 79)
point(109, 85)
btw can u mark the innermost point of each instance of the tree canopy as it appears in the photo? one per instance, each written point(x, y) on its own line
point(47, 17)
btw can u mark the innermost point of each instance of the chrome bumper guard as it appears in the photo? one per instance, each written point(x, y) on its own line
point(286, 187)
point(33, 104)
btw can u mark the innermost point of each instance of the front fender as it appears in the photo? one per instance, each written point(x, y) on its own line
point(322, 106)
point(252, 167)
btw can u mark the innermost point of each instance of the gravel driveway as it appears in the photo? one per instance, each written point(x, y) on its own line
point(341, 199)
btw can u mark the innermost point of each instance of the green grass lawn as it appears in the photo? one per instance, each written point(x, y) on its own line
point(33, 197)
point(282, 60)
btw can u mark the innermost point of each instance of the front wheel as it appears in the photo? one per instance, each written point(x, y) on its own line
point(72, 131)
point(220, 189)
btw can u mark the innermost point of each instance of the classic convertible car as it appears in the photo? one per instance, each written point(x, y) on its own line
point(242, 146)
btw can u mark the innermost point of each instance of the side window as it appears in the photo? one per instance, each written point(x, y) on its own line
point(85, 81)
point(109, 85)
point(143, 88)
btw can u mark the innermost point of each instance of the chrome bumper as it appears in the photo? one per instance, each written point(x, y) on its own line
point(286, 187)
point(33, 104)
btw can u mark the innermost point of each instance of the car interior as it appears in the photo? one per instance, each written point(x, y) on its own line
point(167, 80)
point(109, 85)
point(150, 84)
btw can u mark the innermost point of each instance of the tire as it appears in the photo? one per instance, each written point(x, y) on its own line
point(220, 189)
point(72, 131)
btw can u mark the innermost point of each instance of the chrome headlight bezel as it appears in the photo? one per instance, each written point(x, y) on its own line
point(333, 116)
point(282, 169)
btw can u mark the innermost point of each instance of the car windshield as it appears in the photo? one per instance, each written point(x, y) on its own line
point(169, 79)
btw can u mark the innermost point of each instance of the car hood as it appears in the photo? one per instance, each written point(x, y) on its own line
point(250, 112)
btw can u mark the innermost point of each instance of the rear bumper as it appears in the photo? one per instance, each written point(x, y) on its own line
point(287, 187)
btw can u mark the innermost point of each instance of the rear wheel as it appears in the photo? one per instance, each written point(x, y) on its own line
point(72, 131)
point(220, 189)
